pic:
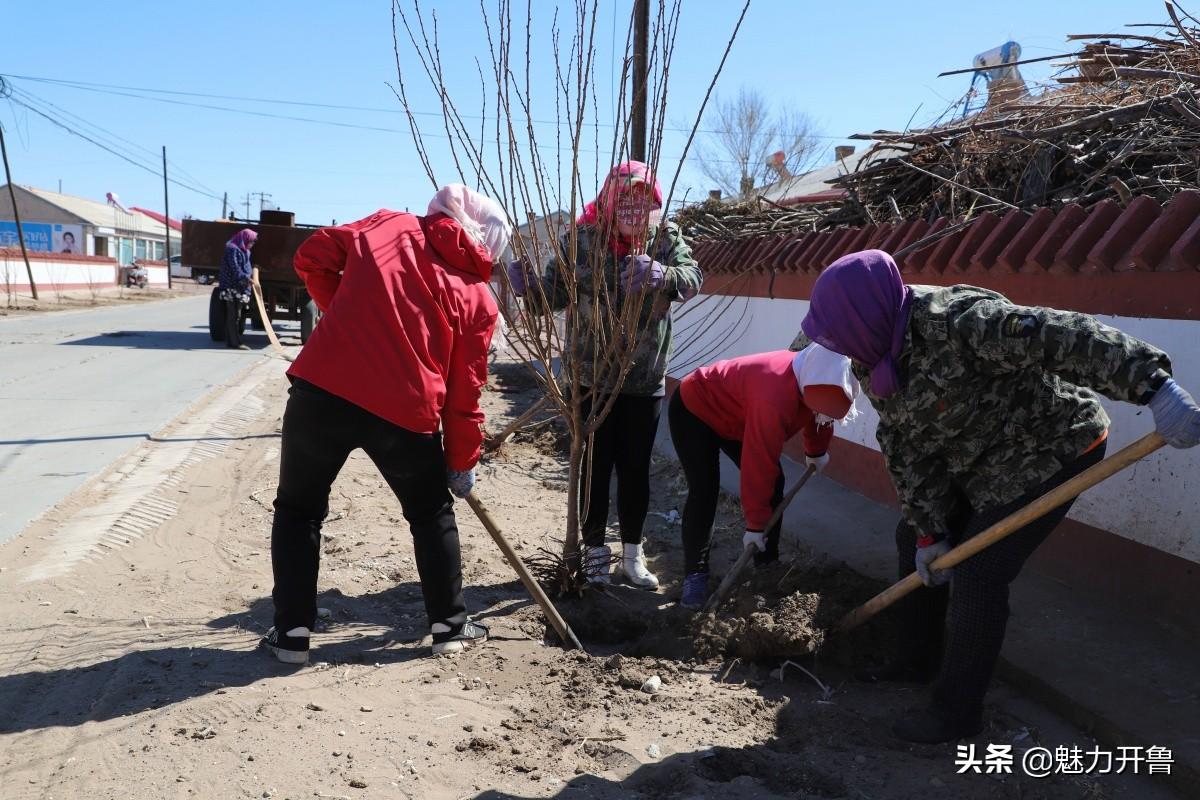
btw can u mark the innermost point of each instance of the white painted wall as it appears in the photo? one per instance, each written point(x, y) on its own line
point(157, 276)
point(1155, 502)
point(50, 273)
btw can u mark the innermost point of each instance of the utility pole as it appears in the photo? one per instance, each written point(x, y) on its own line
point(16, 213)
point(247, 205)
point(262, 198)
point(225, 205)
point(167, 217)
point(641, 47)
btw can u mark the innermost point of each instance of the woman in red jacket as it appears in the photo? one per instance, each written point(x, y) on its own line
point(748, 408)
point(395, 368)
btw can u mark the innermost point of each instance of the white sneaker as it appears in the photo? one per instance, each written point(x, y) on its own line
point(449, 640)
point(633, 565)
point(596, 563)
point(290, 647)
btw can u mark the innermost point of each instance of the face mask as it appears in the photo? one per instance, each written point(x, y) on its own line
point(633, 210)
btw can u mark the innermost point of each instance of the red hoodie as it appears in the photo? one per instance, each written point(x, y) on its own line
point(408, 318)
point(755, 400)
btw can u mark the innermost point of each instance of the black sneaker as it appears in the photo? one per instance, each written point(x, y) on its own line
point(290, 647)
point(451, 640)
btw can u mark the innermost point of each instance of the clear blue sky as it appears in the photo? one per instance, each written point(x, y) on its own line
point(853, 67)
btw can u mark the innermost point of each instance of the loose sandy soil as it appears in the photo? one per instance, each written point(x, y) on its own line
point(129, 668)
point(49, 300)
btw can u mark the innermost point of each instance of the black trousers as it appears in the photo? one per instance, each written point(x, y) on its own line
point(319, 432)
point(965, 620)
point(234, 311)
point(699, 449)
point(624, 442)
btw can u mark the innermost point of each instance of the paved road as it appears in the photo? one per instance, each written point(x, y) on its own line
point(80, 388)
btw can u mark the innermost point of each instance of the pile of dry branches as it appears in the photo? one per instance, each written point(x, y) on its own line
point(1126, 123)
point(713, 219)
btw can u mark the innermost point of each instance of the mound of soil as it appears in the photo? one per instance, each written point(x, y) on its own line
point(787, 630)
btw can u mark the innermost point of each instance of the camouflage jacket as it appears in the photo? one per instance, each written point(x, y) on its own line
point(589, 323)
point(994, 399)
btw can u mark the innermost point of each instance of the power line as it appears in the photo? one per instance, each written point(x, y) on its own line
point(100, 132)
point(355, 126)
point(113, 138)
point(105, 147)
point(119, 90)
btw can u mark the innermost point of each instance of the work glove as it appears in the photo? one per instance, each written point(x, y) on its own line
point(817, 462)
point(1176, 415)
point(756, 538)
point(926, 556)
point(642, 271)
point(519, 276)
point(460, 483)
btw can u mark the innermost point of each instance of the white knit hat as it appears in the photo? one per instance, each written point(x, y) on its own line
point(814, 366)
point(481, 217)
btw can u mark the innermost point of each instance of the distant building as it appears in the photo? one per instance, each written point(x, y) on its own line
point(813, 186)
point(61, 223)
point(539, 236)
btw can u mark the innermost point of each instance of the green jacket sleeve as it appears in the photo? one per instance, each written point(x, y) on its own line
point(1074, 346)
point(922, 481)
point(683, 275)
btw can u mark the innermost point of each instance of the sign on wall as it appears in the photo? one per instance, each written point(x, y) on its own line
point(69, 239)
point(44, 237)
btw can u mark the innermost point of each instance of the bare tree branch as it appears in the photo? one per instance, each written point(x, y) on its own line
point(747, 132)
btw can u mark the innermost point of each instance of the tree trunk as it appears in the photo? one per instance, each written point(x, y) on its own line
point(571, 541)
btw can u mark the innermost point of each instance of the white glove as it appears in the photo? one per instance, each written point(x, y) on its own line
point(1175, 415)
point(817, 462)
point(460, 482)
point(756, 538)
point(926, 556)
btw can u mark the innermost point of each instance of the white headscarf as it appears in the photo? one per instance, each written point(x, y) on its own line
point(816, 366)
point(481, 217)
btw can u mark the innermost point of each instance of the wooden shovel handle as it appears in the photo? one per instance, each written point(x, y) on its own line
point(739, 566)
point(1051, 500)
point(532, 586)
point(262, 312)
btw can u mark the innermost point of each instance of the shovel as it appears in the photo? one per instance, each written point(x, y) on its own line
point(556, 621)
point(1010, 524)
point(262, 313)
point(739, 566)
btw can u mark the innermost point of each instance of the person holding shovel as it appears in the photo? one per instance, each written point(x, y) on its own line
point(395, 368)
point(233, 284)
point(748, 408)
point(983, 406)
point(622, 263)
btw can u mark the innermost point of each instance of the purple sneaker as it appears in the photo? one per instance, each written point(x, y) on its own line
point(695, 591)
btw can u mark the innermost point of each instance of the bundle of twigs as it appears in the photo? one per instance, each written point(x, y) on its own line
point(1126, 123)
point(713, 219)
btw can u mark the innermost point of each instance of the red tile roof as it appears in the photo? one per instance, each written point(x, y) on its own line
point(1107, 237)
point(176, 225)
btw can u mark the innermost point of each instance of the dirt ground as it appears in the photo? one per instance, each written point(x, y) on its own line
point(129, 667)
point(50, 300)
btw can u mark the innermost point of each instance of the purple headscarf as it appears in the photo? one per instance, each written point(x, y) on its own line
point(859, 308)
point(243, 239)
